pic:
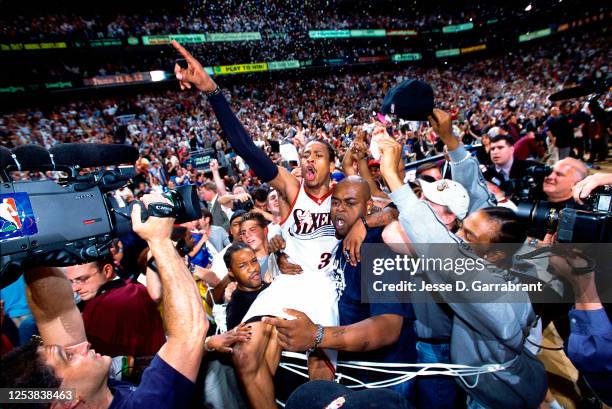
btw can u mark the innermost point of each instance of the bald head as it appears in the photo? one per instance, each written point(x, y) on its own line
point(349, 203)
point(566, 173)
point(360, 184)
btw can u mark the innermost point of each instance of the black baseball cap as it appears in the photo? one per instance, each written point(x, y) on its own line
point(411, 100)
point(328, 394)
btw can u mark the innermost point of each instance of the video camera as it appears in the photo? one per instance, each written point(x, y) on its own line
point(529, 187)
point(591, 224)
point(75, 220)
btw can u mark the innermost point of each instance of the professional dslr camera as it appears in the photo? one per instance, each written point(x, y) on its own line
point(75, 220)
point(529, 187)
point(590, 224)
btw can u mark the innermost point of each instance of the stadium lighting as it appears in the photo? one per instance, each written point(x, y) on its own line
point(157, 76)
point(528, 8)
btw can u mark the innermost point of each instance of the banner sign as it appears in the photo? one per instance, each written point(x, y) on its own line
point(473, 49)
point(201, 159)
point(534, 34)
point(458, 27)
point(406, 57)
point(448, 53)
point(246, 36)
point(376, 58)
point(240, 68)
point(329, 33)
point(58, 85)
point(401, 33)
point(283, 65)
point(167, 38)
point(368, 33)
point(106, 80)
point(105, 42)
point(32, 46)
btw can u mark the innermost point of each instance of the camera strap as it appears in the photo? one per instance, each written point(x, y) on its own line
point(159, 209)
point(537, 253)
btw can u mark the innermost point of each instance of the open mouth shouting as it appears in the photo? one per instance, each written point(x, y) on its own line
point(310, 173)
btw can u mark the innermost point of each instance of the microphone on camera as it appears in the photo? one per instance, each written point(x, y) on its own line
point(32, 157)
point(93, 155)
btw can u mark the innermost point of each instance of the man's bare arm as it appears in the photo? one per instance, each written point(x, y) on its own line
point(51, 301)
point(184, 316)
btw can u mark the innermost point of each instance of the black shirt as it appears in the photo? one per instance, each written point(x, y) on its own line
point(240, 304)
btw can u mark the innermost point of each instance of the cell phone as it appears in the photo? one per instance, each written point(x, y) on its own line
point(181, 62)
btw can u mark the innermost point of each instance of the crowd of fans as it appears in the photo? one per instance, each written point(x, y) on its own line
point(265, 17)
point(216, 268)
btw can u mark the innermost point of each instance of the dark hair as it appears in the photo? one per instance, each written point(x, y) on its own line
point(206, 214)
point(260, 194)
point(512, 232)
point(236, 214)
point(331, 152)
point(229, 253)
point(23, 367)
point(178, 232)
point(500, 137)
point(104, 261)
point(425, 167)
point(258, 217)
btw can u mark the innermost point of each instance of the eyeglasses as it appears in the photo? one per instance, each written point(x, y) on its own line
point(80, 280)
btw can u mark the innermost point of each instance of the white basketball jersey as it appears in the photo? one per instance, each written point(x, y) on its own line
point(309, 233)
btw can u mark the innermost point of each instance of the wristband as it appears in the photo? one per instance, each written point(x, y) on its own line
point(214, 92)
point(365, 222)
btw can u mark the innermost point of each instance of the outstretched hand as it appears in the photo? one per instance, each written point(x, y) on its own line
point(194, 73)
point(441, 123)
point(295, 335)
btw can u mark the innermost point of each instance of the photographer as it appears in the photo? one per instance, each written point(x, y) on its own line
point(589, 346)
point(64, 359)
point(481, 333)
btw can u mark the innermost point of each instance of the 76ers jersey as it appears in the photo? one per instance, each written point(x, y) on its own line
point(309, 233)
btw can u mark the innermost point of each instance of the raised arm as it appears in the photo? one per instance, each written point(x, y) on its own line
point(465, 168)
point(52, 304)
point(214, 167)
point(233, 130)
point(184, 316)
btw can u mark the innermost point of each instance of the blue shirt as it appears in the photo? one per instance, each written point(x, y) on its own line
point(14, 296)
point(203, 257)
point(161, 387)
point(352, 310)
point(590, 349)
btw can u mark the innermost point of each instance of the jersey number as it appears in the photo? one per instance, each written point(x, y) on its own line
point(325, 259)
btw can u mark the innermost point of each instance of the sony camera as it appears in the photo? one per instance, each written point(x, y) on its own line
point(76, 219)
point(529, 187)
point(590, 224)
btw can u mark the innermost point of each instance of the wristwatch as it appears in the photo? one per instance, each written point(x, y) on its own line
point(318, 338)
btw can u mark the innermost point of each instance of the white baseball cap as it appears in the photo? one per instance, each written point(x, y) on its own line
point(449, 193)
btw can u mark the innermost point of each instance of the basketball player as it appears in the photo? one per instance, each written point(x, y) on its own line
point(307, 230)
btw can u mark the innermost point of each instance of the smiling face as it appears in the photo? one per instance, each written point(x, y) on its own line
point(86, 372)
point(273, 204)
point(245, 270)
point(316, 164)
point(566, 173)
point(349, 203)
point(252, 234)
